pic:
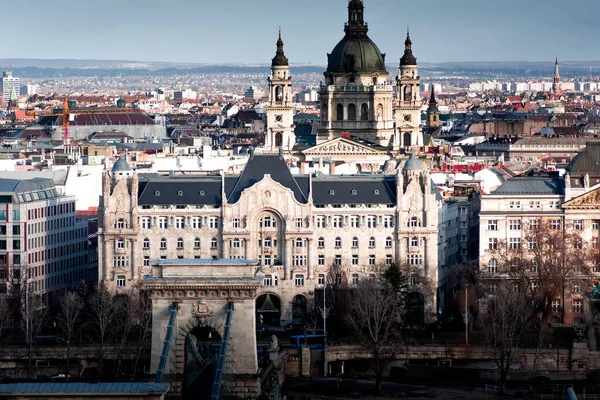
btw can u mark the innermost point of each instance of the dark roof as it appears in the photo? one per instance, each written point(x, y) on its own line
point(542, 185)
point(376, 189)
point(587, 161)
point(255, 170)
point(180, 190)
point(129, 118)
point(280, 60)
point(120, 387)
point(408, 58)
point(121, 165)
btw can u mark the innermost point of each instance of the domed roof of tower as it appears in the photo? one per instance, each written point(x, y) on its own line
point(412, 164)
point(121, 165)
point(280, 60)
point(408, 59)
point(356, 52)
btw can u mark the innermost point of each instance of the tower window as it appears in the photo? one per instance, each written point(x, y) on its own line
point(364, 112)
point(340, 112)
point(351, 112)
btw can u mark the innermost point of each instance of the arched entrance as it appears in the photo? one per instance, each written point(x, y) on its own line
point(415, 309)
point(278, 139)
point(202, 346)
point(268, 310)
point(298, 310)
point(407, 141)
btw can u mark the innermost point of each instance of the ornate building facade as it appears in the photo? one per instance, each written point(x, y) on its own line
point(408, 108)
point(296, 227)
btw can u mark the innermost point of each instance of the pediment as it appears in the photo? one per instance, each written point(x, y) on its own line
point(342, 146)
point(589, 200)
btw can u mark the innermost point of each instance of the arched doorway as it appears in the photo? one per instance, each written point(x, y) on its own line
point(407, 141)
point(298, 310)
point(278, 139)
point(202, 346)
point(415, 309)
point(268, 310)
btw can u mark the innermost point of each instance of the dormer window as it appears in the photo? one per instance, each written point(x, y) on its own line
point(180, 193)
point(332, 192)
point(376, 192)
point(157, 193)
point(202, 193)
point(354, 192)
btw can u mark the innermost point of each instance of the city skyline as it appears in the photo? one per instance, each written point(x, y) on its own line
point(173, 31)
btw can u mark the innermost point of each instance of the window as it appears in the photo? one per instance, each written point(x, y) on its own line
point(337, 221)
point(213, 222)
point(514, 243)
point(492, 288)
point(16, 244)
point(340, 112)
point(320, 221)
point(578, 224)
point(298, 243)
point(354, 242)
point(351, 112)
point(388, 221)
point(414, 242)
point(299, 260)
point(197, 243)
point(120, 261)
point(578, 306)
point(371, 221)
point(463, 238)
point(298, 222)
point(414, 259)
point(120, 223)
point(299, 280)
point(321, 259)
point(146, 223)
point(464, 211)
point(162, 223)
point(493, 266)
point(555, 224)
point(364, 112)
point(533, 243)
point(388, 259)
point(163, 244)
point(372, 259)
point(321, 243)
point(414, 222)
point(338, 259)
point(388, 242)
point(214, 244)
point(179, 223)
point(576, 288)
point(354, 221)
point(463, 224)
point(146, 244)
point(355, 279)
point(120, 244)
point(534, 204)
point(514, 224)
point(180, 243)
point(595, 225)
point(492, 244)
point(235, 223)
point(354, 259)
point(197, 223)
point(121, 281)
point(267, 222)
point(338, 242)
point(146, 261)
point(555, 306)
point(534, 224)
point(321, 279)
point(268, 280)
point(514, 204)
point(371, 242)
point(492, 225)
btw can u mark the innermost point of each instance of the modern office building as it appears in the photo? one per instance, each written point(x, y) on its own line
point(10, 86)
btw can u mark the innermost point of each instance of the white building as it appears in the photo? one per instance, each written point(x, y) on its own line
point(10, 86)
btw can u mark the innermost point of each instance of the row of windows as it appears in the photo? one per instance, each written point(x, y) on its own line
point(514, 243)
point(533, 224)
point(338, 242)
point(163, 223)
point(354, 221)
point(214, 243)
point(516, 204)
point(364, 112)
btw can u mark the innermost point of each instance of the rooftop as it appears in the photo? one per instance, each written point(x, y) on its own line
point(120, 387)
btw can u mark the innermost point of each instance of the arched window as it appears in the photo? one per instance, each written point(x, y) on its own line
point(299, 242)
point(146, 243)
point(379, 112)
point(267, 222)
point(163, 243)
point(371, 242)
point(278, 139)
point(338, 242)
point(340, 112)
point(408, 93)
point(493, 266)
point(414, 242)
point(364, 112)
point(351, 112)
point(267, 242)
point(120, 244)
point(388, 241)
point(355, 242)
point(236, 243)
point(120, 224)
point(214, 243)
point(321, 243)
point(180, 243)
point(197, 243)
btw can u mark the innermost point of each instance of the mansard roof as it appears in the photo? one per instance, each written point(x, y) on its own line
point(372, 189)
point(180, 189)
point(532, 185)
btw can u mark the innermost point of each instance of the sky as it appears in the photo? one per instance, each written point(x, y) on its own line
point(242, 31)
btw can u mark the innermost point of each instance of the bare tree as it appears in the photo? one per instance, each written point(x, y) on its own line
point(143, 324)
point(505, 321)
point(71, 307)
point(33, 318)
point(101, 318)
point(375, 317)
point(6, 319)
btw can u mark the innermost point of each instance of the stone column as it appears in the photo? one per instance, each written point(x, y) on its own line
point(245, 243)
point(309, 267)
point(132, 243)
point(426, 256)
point(226, 247)
point(287, 261)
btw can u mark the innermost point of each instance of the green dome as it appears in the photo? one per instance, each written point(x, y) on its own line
point(356, 55)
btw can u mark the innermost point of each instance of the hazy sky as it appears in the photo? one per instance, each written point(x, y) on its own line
point(242, 31)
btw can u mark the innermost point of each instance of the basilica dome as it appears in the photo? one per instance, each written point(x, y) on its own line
point(356, 55)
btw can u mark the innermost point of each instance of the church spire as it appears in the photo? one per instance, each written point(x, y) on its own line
point(280, 60)
point(408, 59)
point(432, 100)
point(556, 82)
point(356, 18)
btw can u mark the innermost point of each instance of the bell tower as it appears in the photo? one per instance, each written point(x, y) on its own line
point(408, 110)
point(433, 113)
point(280, 111)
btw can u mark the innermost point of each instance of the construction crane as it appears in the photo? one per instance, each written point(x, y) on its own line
point(68, 115)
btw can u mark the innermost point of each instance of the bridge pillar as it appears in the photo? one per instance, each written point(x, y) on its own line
point(203, 289)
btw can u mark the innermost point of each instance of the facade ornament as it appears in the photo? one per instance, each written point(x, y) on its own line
point(568, 181)
point(586, 181)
